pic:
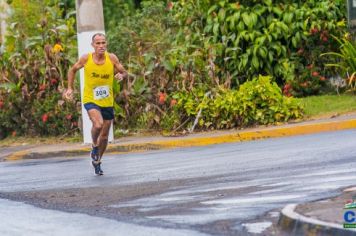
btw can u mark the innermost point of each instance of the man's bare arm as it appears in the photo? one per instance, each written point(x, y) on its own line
point(71, 75)
point(119, 70)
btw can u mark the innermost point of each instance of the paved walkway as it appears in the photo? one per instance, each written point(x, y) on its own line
point(324, 217)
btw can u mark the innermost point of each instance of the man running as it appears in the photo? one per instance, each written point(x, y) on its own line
point(100, 68)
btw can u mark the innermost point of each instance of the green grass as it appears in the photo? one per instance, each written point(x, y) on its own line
point(327, 105)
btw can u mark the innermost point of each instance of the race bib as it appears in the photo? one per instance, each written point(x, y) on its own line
point(101, 92)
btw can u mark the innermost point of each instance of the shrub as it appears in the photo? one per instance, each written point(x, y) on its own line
point(33, 68)
point(258, 101)
point(345, 61)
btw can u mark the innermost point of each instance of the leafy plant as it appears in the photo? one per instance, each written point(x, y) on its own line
point(345, 60)
point(258, 101)
point(33, 68)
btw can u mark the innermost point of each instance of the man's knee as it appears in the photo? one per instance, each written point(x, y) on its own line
point(98, 125)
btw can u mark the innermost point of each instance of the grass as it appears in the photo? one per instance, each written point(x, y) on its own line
point(328, 105)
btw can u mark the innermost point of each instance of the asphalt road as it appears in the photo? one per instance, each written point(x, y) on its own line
point(228, 189)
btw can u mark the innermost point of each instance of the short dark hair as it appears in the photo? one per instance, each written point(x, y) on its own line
point(96, 34)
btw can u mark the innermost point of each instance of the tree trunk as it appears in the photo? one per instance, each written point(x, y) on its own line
point(89, 15)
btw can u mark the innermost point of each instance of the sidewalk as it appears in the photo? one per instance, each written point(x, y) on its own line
point(315, 218)
point(324, 217)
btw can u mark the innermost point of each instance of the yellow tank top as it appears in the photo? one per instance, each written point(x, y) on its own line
point(98, 82)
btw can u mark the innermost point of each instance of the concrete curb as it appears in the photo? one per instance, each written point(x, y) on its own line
point(165, 143)
point(296, 224)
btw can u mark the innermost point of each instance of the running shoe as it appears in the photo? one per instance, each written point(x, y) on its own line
point(97, 168)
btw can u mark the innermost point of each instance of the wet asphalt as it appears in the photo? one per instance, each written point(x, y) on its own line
point(226, 189)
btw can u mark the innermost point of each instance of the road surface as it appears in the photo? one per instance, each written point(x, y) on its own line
point(227, 189)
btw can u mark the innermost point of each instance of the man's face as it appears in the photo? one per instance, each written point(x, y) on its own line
point(99, 44)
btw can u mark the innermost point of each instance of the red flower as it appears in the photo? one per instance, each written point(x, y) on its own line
point(1, 104)
point(309, 67)
point(13, 134)
point(53, 81)
point(286, 90)
point(69, 116)
point(74, 124)
point(45, 118)
point(314, 31)
point(287, 86)
point(162, 98)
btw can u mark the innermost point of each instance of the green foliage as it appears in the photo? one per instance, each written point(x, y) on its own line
point(187, 60)
point(142, 40)
point(53, 116)
point(34, 65)
point(258, 101)
point(345, 60)
point(186, 44)
point(116, 11)
point(261, 37)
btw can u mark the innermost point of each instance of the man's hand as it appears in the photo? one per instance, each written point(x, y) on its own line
point(120, 76)
point(68, 94)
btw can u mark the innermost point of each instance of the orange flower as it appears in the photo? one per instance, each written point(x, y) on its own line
point(315, 73)
point(162, 98)
point(173, 102)
point(42, 87)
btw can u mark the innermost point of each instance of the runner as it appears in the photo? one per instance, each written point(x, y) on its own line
point(100, 67)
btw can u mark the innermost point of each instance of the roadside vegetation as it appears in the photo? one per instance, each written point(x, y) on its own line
point(193, 65)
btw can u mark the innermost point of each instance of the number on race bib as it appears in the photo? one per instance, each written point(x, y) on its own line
point(101, 92)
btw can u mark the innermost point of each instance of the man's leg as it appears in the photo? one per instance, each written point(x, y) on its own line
point(97, 124)
point(104, 137)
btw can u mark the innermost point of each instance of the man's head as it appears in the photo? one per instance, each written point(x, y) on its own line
point(99, 43)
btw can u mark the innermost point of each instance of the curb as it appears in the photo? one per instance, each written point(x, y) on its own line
point(167, 143)
point(296, 224)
